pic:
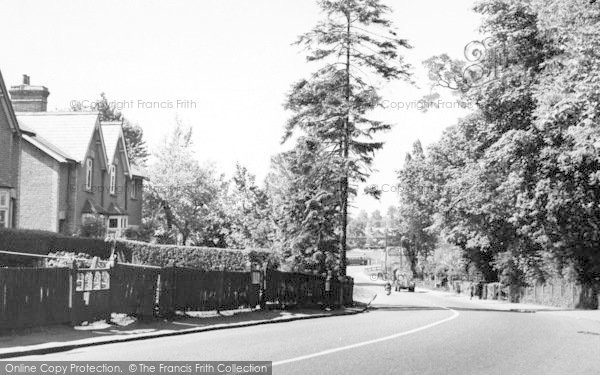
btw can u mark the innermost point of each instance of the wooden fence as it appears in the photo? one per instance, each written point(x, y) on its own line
point(32, 297)
point(188, 289)
point(286, 288)
point(134, 290)
point(556, 293)
point(559, 294)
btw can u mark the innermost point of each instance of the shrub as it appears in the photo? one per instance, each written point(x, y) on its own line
point(93, 227)
point(42, 243)
point(94, 247)
point(206, 258)
point(66, 259)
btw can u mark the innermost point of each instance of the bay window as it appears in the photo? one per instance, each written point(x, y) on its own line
point(4, 209)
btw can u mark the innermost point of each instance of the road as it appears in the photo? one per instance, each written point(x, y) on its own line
point(405, 333)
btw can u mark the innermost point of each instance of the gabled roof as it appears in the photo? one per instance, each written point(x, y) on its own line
point(114, 209)
point(69, 133)
point(48, 148)
point(7, 107)
point(91, 207)
point(113, 136)
point(111, 132)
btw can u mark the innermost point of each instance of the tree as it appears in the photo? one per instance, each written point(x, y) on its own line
point(376, 230)
point(137, 150)
point(249, 212)
point(332, 105)
point(357, 229)
point(304, 208)
point(187, 193)
point(416, 208)
point(515, 184)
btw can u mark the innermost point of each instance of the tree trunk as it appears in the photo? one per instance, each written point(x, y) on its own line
point(345, 151)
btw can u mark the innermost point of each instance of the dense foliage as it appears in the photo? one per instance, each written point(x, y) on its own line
point(354, 45)
point(44, 243)
point(184, 199)
point(304, 207)
point(196, 257)
point(516, 184)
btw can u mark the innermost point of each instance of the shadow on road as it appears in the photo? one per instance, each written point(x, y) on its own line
point(432, 308)
point(403, 308)
point(380, 285)
point(370, 284)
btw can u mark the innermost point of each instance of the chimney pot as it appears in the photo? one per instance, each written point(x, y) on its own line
point(25, 79)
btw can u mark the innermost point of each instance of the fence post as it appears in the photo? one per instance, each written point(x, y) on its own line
point(166, 298)
point(113, 281)
point(220, 290)
point(72, 287)
point(263, 288)
point(328, 290)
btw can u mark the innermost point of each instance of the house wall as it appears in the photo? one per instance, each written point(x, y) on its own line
point(78, 179)
point(16, 175)
point(66, 200)
point(39, 190)
point(9, 152)
point(135, 205)
point(9, 164)
point(122, 188)
point(122, 198)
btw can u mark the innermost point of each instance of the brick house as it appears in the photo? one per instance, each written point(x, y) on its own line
point(10, 138)
point(72, 169)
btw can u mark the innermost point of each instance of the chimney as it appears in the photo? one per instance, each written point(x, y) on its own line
point(27, 98)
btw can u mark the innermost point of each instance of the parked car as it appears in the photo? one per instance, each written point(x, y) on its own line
point(404, 280)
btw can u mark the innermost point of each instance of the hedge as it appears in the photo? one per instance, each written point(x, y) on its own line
point(206, 258)
point(43, 242)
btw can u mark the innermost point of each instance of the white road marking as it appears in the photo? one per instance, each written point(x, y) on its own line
point(455, 314)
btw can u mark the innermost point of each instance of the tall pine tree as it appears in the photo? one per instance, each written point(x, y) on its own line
point(355, 45)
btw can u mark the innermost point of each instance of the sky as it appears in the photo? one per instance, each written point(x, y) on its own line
point(224, 68)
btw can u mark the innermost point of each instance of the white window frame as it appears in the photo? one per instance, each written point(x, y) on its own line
point(119, 230)
point(113, 179)
point(133, 189)
point(5, 208)
point(89, 173)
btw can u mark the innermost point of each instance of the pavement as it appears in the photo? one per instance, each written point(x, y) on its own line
point(55, 339)
point(425, 332)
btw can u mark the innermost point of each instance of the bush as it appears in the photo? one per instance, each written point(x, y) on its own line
point(206, 258)
point(43, 243)
point(93, 227)
point(66, 259)
point(94, 247)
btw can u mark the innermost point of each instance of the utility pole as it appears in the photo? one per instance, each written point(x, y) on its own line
point(386, 250)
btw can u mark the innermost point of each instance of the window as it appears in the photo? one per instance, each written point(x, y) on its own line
point(89, 172)
point(117, 225)
point(113, 179)
point(3, 199)
point(133, 189)
point(4, 209)
point(113, 223)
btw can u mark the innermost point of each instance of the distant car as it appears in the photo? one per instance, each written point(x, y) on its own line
point(404, 280)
